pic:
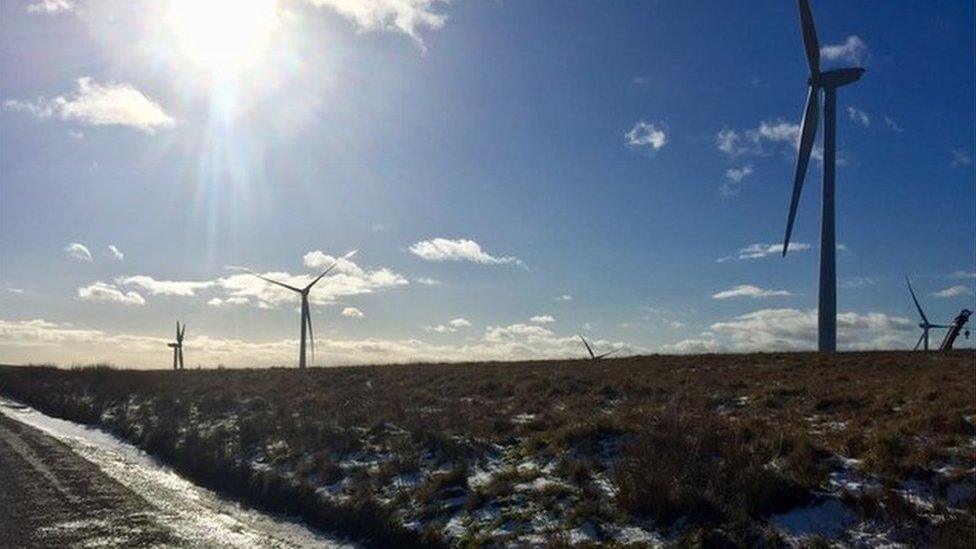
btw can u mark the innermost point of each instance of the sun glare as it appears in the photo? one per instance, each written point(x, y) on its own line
point(223, 36)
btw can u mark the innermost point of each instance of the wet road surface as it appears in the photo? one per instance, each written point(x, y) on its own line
point(63, 484)
point(50, 497)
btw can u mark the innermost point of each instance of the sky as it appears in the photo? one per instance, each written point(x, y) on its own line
point(511, 174)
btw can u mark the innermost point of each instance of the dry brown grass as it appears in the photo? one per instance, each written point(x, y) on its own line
point(720, 440)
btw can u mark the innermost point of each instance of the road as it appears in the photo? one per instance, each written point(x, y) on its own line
point(51, 497)
point(63, 484)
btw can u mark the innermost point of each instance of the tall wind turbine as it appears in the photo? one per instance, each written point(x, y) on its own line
point(306, 314)
point(178, 345)
point(925, 325)
point(828, 82)
point(594, 356)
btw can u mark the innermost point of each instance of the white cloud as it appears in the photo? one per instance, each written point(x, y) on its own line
point(101, 291)
point(735, 177)
point(352, 312)
point(748, 290)
point(542, 319)
point(792, 329)
point(347, 279)
point(98, 105)
point(778, 131)
point(796, 330)
point(406, 16)
point(738, 174)
point(15, 290)
point(184, 288)
point(115, 252)
point(751, 141)
point(760, 250)
point(858, 282)
point(50, 6)
point(953, 291)
point(646, 135)
point(890, 122)
point(230, 301)
point(960, 158)
point(426, 281)
point(694, 347)
point(41, 340)
point(853, 50)
point(859, 116)
point(78, 251)
point(451, 327)
point(514, 331)
point(319, 260)
point(443, 249)
point(963, 275)
point(730, 142)
point(564, 298)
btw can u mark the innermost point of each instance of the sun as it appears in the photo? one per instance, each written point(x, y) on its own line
point(223, 36)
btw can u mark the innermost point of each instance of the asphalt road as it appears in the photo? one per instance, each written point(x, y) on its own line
point(51, 497)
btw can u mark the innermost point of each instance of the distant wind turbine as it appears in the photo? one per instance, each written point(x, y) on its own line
point(828, 82)
point(589, 349)
point(178, 345)
point(306, 314)
point(925, 325)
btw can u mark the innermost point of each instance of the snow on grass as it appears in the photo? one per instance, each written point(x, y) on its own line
point(366, 460)
point(539, 484)
point(828, 518)
point(584, 533)
point(919, 493)
point(848, 477)
point(635, 535)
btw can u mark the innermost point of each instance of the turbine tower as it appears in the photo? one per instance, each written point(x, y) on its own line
point(594, 356)
point(178, 346)
point(828, 82)
point(306, 314)
point(925, 325)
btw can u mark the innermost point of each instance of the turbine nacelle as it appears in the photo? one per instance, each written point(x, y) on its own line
point(836, 78)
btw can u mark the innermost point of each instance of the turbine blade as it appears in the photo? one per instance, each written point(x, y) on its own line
point(608, 353)
point(182, 331)
point(919, 342)
point(334, 263)
point(282, 284)
point(587, 345)
point(915, 299)
point(810, 38)
point(808, 132)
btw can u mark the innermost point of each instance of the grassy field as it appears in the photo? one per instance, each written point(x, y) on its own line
point(771, 449)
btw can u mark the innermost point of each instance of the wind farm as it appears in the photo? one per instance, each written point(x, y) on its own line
point(567, 318)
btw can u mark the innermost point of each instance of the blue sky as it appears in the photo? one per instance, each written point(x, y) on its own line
point(617, 168)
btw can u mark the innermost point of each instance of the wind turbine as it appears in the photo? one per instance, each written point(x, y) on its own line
point(178, 345)
point(306, 314)
point(925, 325)
point(589, 349)
point(827, 81)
